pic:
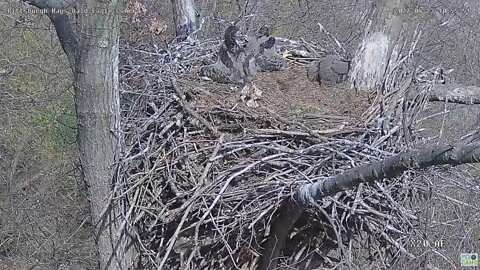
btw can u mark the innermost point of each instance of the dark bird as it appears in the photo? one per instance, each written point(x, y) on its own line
point(239, 59)
point(329, 69)
point(233, 40)
point(267, 58)
point(264, 31)
point(223, 70)
point(229, 65)
point(249, 68)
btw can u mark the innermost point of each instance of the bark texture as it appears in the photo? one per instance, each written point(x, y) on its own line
point(98, 111)
point(372, 57)
point(453, 93)
point(184, 17)
point(93, 55)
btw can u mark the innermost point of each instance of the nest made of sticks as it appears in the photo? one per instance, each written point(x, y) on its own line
point(204, 175)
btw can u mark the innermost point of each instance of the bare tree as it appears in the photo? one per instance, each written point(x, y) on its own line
point(382, 32)
point(93, 52)
point(184, 17)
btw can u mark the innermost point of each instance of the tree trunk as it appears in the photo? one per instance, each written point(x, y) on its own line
point(372, 57)
point(98, 111)
point(184, 17)
point(93, 55)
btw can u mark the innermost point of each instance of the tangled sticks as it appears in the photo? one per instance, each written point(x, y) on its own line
point(201, 200)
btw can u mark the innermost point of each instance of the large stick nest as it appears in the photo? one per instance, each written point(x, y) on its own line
point(204, 174)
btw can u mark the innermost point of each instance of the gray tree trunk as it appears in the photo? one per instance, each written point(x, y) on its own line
point(372, 57)
point(93, 55)
point(184, 17)
point(98, 111)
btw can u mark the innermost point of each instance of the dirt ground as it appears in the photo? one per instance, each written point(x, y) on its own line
point(288, 94)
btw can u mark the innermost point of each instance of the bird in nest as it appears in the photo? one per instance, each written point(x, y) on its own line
point(330, 69)
point(223, 70)
point(267, 58)
point(229, 65)
point(234, 40)
point(234, 62)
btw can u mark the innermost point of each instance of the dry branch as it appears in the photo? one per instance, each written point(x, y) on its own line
point(388, 168)
point(454, 93)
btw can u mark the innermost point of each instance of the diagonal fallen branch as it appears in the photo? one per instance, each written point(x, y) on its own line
point(391, 167)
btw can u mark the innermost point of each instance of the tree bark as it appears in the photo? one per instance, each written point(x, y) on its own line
point(184, 18)
point(292, 209)
point(453, 93)
point(372, 57)
point(97, 103)
point(93, 55)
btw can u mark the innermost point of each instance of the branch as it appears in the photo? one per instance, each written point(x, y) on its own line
point(48, 4)
point(387, 168)
point(58, 16)
point(454, 93)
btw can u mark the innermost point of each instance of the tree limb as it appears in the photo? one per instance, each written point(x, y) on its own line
point(454, 93)
point(48, 4)
point(57, 13)
point(387, 168)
